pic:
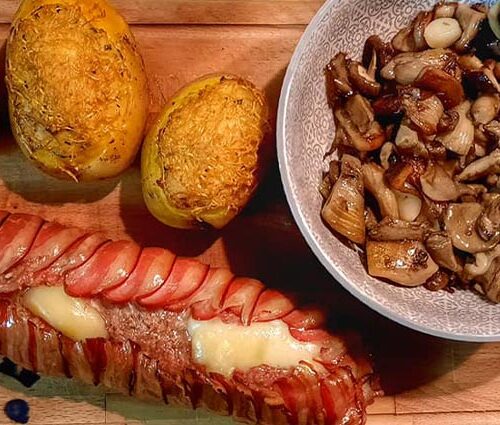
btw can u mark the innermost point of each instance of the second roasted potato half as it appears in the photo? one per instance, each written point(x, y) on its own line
point(77, 88)
point(204, 157)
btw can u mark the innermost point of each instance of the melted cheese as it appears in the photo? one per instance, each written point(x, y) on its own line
point(222, 347)
point(73, 317)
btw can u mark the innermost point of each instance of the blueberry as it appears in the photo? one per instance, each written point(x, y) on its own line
point(18, 411)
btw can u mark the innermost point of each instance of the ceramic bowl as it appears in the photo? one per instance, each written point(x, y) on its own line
point(305, 132)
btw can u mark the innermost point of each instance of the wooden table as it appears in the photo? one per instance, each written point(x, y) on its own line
point(428, 381)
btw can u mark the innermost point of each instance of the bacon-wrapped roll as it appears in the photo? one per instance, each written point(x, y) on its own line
point(161, 327)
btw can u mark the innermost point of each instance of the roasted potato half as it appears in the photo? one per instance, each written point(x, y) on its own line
point(77, 88)
point(203, 159)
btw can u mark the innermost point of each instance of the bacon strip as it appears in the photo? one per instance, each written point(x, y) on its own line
point(146, 297)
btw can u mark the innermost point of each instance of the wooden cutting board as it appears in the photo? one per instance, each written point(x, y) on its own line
point(428, 381)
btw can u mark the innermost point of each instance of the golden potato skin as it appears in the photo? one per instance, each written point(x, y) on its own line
point(202, 160)
point(77, 88)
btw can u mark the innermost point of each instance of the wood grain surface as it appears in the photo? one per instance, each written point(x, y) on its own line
point(428, 381)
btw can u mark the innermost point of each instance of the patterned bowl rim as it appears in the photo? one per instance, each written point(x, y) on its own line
point(299, 219)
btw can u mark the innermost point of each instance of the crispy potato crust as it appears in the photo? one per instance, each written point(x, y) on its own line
point(202, 161)
point(77, 88)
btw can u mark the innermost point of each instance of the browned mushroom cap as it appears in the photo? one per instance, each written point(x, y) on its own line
point(345, 208)
point(425, 114)
point(440, 248)
point(362, 81)
point(461, 138)
point(488, 224)
point(490, 282)
point(482, 167)
point(460, 223)
point(388, 107)
point(470, 20)
point(375, 46)
point(408, 141)
point(406, 67)
point(447, 88)
point(485, 108)
point(357, 120)
point(337, 78)
point(391, 229)
point(404, 262)
point(373, 178)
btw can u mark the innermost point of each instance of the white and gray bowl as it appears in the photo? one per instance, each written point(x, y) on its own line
point(305, 132)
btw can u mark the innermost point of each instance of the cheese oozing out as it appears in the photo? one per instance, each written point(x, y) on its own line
point(223, 347)
point(73, 317)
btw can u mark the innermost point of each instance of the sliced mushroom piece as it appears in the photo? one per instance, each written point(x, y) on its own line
point(470, 20)
point(387, 155)
point(493, 18)
point(461, 138)
point(325, 187)
point(424, 113)
point(447, 88)
point(391, 229)
point(373, 177)
point(406, 67)
point(445, 10)
point(358, 122)
point(403, 41)
point(360, 112)
point(482, 167)
point(448, 121)
point(490, 282)
point(485, 108)
point(404, 262)
point(460, 223)
point(482, 263)
point(436, 150)
point(432, 213)
point(488, 223)
point(362, 81)
point(408, 141)
point(469, 62)
point(345, 208)
point(337, 78)
point(375, 46)
point(438, 185)
point(440, 247)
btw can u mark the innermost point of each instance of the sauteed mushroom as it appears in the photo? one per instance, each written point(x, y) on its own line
point(418, 137)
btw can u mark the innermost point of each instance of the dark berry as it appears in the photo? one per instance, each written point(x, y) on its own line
point(18, 411)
